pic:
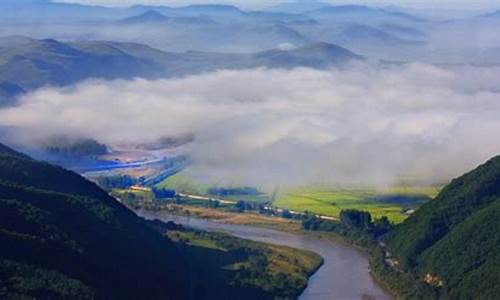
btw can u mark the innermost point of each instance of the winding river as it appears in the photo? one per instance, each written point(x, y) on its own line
point(344, 274)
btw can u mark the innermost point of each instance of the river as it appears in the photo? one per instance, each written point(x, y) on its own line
point(344, 275)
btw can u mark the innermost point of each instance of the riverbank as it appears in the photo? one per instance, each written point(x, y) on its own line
point(345, 273)
point(290, 226)
point(280, 272)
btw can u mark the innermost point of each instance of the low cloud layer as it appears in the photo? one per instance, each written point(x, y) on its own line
point(368, 124)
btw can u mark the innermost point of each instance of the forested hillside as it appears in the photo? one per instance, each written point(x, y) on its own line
point(453, 242)
point(62, 237)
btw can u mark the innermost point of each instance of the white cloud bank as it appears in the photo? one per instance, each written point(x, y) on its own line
point(367, 125)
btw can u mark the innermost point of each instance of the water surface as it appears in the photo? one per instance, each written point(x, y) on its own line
point(344, 274)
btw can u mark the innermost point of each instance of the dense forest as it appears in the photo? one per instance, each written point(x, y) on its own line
point(453, 242)
point(449, 249)
point(62, 237)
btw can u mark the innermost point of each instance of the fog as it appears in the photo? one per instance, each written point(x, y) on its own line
point(368, 124)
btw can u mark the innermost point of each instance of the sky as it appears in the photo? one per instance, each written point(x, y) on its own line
point(256, 4)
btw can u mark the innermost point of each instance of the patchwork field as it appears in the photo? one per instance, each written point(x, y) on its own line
point(393, 202)
point(396, 202)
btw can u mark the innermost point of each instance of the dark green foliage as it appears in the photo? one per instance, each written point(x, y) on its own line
point(20, 280)
point(62, 237)
point(55, 222)
point(468, 258)
point(116, 182)
point(314, 223)
point(354, 224)
point(253, 272)
point(456, 237)
point(225, 192)
point(381, 226)
point(163, 193)
point(6, 151)
point(355, 219)
point(79, 147)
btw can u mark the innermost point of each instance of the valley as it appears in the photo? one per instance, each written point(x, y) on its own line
point(248, 150)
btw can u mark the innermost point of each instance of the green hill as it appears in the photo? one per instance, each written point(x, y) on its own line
point(62, 237)
point(453, 242)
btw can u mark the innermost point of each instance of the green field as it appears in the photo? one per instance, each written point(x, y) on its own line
point(183, 184)
point(379, 202)
point(323, 200)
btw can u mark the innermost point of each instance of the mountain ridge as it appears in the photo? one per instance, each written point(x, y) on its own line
point(453, 242)
point(32, 63)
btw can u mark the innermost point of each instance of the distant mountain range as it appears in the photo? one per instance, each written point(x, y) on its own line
point(27, 64)
point(154, 17)
point(209, 28)
point(356, 12)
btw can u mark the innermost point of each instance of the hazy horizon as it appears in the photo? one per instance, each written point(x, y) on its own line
point(260, 4)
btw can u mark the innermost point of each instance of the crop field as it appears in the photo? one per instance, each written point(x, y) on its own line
point(324, 200)
point(391, 202)
point(183, 184)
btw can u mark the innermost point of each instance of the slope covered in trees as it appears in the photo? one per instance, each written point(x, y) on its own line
point(62, 237)
point(453, 242)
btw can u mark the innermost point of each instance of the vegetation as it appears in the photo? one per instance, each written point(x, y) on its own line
point(357, 226)
point(453, 243)
point(116, 181)
point(278, 270)
point(62, 237)
point(392, 203)
point(79, 147)
point(396, 203)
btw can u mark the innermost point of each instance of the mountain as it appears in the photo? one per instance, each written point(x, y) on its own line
point(361, 14)
point(495, 14)
point(8, 93)
point(29, 63)
point(363, 34)
point(402, 31)
point(151, 16)
point(367, 40)
point(318, 56)
point(36, 12)
point(39, 62)
point(62, 237)
point(299, 7)
point(453, 242)
point(210, 9)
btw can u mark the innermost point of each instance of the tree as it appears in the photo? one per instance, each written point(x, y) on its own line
point(356, 219)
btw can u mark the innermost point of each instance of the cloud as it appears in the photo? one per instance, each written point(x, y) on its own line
point(368, 124)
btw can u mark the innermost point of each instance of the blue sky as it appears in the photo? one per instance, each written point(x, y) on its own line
point(441, 4)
